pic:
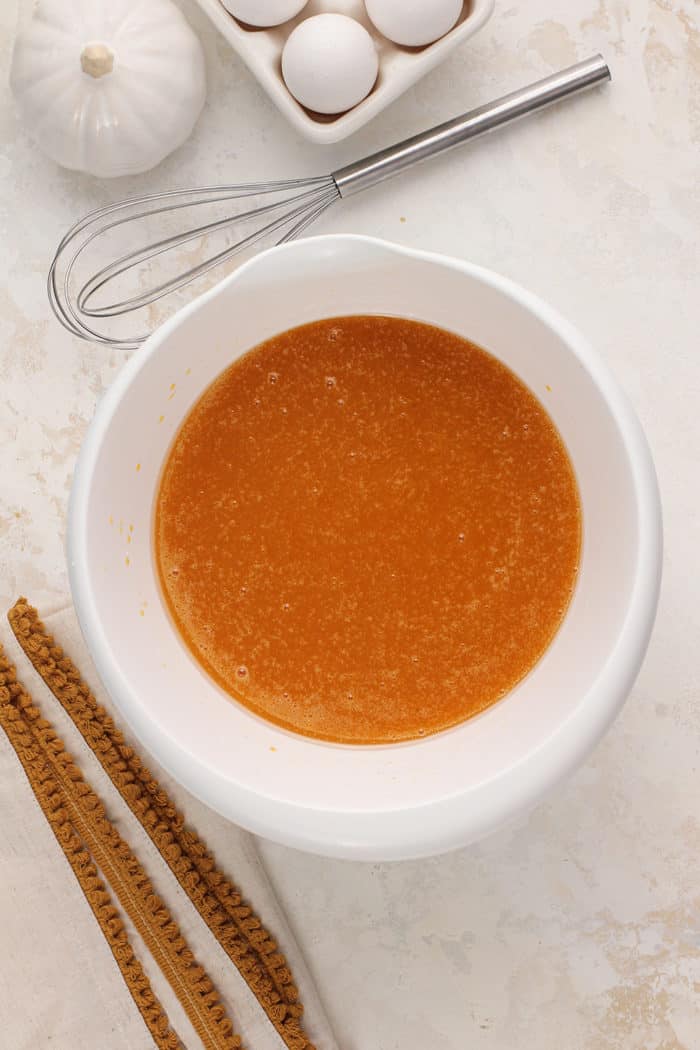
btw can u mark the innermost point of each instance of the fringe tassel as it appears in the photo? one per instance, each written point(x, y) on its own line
point(239, 932)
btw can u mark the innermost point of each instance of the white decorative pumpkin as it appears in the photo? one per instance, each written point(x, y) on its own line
point(108, 86)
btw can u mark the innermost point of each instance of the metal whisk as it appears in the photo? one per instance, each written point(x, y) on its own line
point(281, 210)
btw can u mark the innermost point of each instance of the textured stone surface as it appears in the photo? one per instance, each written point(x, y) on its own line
point(579, 928)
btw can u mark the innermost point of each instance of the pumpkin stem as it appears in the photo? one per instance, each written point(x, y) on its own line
point(96, 60)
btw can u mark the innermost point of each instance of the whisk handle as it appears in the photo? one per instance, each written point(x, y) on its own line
point(388, 162)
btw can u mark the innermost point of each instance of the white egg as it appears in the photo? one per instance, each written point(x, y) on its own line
point(264, 12)
point(330, 63)
point(413, 23)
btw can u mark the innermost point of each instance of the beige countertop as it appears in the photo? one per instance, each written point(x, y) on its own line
point(579, 928)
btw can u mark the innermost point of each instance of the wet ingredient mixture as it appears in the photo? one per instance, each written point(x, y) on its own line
point(367, 530)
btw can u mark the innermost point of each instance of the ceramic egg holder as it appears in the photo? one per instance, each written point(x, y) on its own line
point(399, 67)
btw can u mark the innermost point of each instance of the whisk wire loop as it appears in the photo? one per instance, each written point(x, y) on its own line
point(297, 203)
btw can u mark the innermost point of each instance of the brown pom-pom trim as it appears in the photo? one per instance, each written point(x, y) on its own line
point(237, 929)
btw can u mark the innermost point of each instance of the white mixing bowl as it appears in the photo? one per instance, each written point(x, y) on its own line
point(371, 803)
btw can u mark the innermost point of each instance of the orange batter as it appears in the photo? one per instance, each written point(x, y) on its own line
point(367, 530)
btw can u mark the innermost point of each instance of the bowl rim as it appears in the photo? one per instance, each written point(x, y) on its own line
point(451, 821)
